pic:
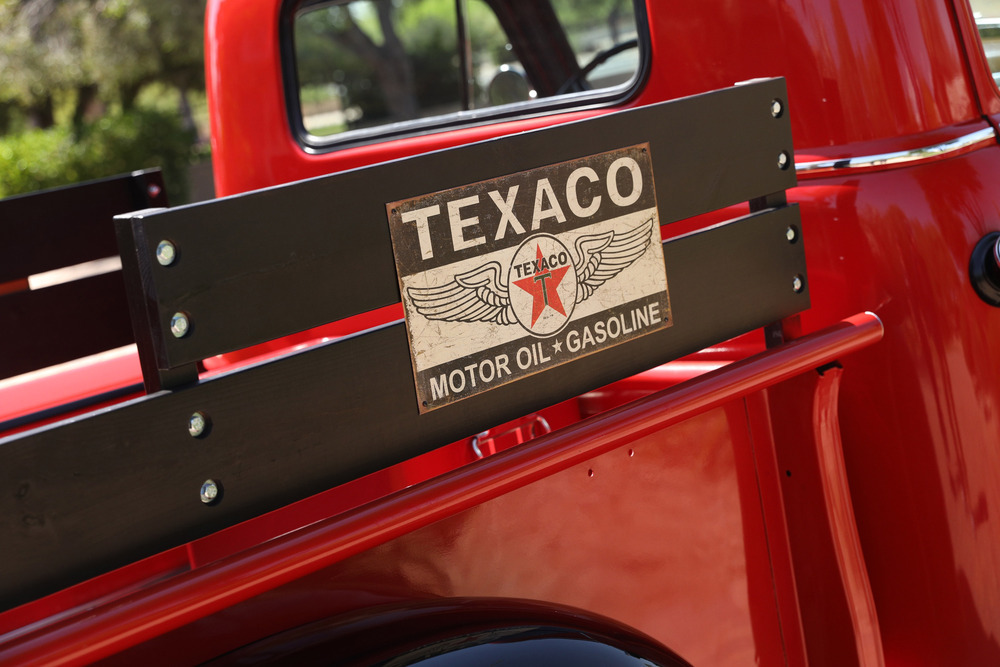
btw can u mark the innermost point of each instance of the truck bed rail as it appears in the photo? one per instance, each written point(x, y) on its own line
point(267, 264)
point(196, 594)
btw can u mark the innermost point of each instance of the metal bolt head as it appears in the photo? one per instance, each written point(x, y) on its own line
point(197, 424)
point(791, 234)
point(798, 284)
point(777, 108)
point(179, 325)
point(209, 491)
point(783, 160)
point(166, 253)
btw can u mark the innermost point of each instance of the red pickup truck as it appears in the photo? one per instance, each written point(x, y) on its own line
point(525, 333)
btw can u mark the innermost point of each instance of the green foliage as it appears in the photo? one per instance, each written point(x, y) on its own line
point(115, 144)
point(103, 82)
point(103, 48)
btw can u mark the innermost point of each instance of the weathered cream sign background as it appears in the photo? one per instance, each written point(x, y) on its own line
point(504, 278)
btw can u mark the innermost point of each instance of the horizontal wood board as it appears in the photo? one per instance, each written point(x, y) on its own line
point(98, 492)
point(266, 264)
point(63, 227)
point(63, 322)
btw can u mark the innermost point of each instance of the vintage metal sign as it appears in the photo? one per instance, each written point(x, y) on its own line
point(505, 278)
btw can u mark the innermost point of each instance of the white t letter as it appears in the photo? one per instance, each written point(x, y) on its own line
point(420, 216)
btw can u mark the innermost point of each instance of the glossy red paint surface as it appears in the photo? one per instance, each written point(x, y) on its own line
point(838, 609)
point(868, 78)
point(986, 89)
point(858, 71)
point(498, 549)
point(918, 414)
point(471, 533)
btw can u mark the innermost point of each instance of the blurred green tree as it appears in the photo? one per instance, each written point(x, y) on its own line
point(74, 53)
point(71, 72)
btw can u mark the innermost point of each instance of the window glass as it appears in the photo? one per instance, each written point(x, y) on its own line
point(363, 64)
point(987, 13)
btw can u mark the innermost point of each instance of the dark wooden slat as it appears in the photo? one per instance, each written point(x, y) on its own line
point(141, 306)
point(263, 265)
point(99, 492)
point(63, 322)
point(62, 227)
point(54, 229)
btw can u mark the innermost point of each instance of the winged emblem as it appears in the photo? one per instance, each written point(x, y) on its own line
point(473, 296)
point(480, 295)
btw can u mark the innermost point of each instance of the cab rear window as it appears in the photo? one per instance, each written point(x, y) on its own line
point(363, 69)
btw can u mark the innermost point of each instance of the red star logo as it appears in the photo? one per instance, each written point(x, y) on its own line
point(542, 287)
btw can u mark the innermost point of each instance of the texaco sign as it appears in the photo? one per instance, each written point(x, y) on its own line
point(508, 277)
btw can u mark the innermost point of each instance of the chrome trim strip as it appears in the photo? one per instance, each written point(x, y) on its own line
point(899, 157)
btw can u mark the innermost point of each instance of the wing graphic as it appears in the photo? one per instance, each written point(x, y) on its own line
point(601, 257)
point(473, 296)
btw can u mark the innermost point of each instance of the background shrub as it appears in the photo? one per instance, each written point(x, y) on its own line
point(115, 144)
